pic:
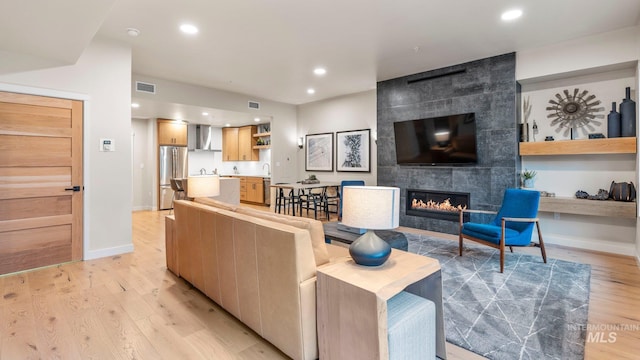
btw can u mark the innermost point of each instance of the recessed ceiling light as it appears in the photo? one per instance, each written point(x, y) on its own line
point(511, 14)
point(256, 119)
point(311, 91)
point(227, 125)
point(133, 32)
point(205, 113)
point(188, 29)
point(135, 105)
point(319, 71)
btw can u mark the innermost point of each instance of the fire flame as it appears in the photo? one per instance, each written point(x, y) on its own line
point(432, 205)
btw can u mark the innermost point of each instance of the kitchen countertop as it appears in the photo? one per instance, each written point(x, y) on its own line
point(247, 175)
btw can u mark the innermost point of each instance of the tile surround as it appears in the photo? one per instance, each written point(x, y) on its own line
point(488, 87)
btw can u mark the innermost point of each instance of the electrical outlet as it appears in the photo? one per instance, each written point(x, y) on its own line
point(556, 216)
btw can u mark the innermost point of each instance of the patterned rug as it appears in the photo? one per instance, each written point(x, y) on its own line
point(531, 311)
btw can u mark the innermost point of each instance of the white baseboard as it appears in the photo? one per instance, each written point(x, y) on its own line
point(97, 254)
point(614, 247)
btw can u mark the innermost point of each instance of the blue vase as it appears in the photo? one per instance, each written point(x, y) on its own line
point(369, 250)
point(613, 122)
point(628, 115)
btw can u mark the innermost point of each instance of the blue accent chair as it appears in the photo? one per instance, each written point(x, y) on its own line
point(344, 183)
point(512, 226)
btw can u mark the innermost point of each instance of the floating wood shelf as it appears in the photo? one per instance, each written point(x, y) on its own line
point(624, 145)
point(264, 134)
point(259, 147)
point(567, 205)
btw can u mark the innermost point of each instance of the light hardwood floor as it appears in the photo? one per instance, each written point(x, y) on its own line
point(131, 307)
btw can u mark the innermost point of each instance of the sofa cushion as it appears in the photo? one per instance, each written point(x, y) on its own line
point(216, 203)
point(313, 226)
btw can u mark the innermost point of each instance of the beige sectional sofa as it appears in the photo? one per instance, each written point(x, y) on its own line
point(259, 266)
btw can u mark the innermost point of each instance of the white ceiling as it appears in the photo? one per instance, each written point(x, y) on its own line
point(268, 49)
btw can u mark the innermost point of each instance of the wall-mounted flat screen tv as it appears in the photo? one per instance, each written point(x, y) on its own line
point(444, 140)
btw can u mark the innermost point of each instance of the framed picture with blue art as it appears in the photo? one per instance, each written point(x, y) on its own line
point(353, 150)
point(319, 152)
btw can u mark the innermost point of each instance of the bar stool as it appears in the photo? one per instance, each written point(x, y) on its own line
point(176, 186)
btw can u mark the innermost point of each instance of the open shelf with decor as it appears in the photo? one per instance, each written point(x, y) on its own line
point(262, 139)
point(567, 205)
point(621, 145)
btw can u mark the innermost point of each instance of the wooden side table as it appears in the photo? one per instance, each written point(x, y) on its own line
point(352, 304)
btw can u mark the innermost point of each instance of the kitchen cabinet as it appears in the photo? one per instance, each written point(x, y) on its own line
point(229, 144)
point(251, 189)
point(238, 144)
point(246, 141)
point(171, 132)
point(243, 188)
point(255, 190)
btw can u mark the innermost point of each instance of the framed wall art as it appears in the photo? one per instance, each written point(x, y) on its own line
point(319, 152)
point(353, 149)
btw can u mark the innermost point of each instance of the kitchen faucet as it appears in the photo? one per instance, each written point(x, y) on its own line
point(203, 171)
point(268, 168)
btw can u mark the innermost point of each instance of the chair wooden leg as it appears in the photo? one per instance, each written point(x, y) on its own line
point(544, 253)
point(502, 247)
point(460, 233)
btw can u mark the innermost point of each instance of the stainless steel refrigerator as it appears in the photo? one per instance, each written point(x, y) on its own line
point(173, 164)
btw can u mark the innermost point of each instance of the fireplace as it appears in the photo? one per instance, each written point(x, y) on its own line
point(443, 205)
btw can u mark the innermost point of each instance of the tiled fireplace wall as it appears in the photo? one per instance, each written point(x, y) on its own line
point(486, 87)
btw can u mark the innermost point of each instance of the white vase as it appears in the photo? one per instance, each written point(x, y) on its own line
point(527, 183)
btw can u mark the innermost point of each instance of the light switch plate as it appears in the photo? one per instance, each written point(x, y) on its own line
point(107, 145)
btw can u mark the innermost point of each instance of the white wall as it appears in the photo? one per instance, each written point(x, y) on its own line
point(350, 112)
point(103, 73)
point(143, 164)
point(604, 64)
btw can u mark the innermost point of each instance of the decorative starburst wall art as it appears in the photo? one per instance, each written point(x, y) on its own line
point(573, 111)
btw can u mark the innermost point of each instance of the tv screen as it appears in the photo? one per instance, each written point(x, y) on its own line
point(445, 140)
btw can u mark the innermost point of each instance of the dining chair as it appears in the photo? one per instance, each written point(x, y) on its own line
point(512, 226)
point(314, 199)
point(286, 200)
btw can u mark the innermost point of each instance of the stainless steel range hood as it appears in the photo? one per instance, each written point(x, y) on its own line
point(201, 138)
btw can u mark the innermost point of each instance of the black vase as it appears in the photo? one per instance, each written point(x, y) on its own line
point(628, 115)
point(613, 122)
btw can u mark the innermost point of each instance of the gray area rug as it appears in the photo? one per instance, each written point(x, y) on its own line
point(531, 311)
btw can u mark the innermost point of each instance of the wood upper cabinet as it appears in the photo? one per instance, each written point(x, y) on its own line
point(237, 144)
point(229, 144)
point(171, 132)
point(246, 141)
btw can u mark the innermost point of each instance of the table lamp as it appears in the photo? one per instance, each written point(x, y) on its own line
point(203, 186)
point(371, 208)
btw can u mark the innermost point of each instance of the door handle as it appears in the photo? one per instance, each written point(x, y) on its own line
point(75, 188)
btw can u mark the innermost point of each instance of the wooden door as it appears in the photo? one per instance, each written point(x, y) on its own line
point(229, 144)
point(41, 186)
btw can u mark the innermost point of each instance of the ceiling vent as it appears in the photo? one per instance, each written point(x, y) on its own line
point(254, 105)
point(145, 87)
